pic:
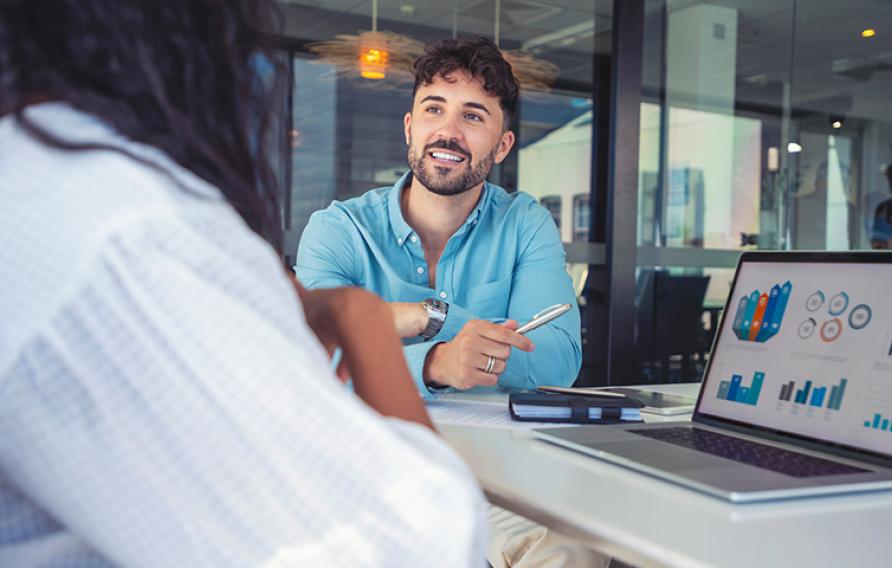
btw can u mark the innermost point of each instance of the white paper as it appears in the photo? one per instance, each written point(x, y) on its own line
point(472, 413)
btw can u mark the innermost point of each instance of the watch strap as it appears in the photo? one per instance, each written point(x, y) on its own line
point(436, 317)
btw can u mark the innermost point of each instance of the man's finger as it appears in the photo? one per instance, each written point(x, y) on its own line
point(505, 335)
point(498, 365)
point(491, 347)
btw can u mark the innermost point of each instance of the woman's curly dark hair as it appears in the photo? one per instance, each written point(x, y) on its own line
point(480, 58)
point(179, 75)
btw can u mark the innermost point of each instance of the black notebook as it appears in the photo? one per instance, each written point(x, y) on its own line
point(535, 406)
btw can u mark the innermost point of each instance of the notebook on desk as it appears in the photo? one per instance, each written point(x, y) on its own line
point(556, 404)
point(797, 397)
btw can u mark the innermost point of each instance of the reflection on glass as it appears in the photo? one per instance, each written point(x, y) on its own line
point(763, 126)
point(582, 217)
point(554, 160)
point(553, 204)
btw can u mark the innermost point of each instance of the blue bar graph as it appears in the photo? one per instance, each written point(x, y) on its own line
point(879, 422)
point(733, 391)
point(818, 395)
point(802, 394)
point(836, 394)
point(735, 386)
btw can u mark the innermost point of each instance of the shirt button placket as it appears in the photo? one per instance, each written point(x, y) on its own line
point(445, 268)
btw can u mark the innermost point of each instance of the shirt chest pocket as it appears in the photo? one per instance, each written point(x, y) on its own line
point(490, 300)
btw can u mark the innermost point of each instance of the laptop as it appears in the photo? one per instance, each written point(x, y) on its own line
point(796, 399)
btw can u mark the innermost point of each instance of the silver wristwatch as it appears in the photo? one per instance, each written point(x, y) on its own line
point(436, 316)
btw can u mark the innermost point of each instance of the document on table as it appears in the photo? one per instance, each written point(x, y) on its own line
point(474, 413)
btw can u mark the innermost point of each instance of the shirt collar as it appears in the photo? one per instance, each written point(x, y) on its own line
point(402, 230)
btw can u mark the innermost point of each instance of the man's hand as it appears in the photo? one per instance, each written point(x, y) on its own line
point(410, 318)
point(462, 362)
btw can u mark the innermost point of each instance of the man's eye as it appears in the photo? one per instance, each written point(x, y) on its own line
point(433, 110)
point(474, 117)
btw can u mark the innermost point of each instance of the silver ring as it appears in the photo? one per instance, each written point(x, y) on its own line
point(490, 364)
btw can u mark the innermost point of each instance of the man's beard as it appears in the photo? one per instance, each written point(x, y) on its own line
point(442, 180)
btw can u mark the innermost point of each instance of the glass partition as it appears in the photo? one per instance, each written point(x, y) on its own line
point(764, 125)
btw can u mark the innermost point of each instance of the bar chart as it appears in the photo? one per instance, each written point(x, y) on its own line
point(879, 422)
point(814, 396)
point(734, 391)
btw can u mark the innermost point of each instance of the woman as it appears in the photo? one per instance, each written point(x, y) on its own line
point(162, 402)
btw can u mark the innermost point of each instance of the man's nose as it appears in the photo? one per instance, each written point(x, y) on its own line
point(450, 129)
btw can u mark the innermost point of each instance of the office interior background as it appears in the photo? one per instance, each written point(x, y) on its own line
point(677, 134)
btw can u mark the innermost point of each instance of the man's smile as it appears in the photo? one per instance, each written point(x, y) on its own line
point(445, 157)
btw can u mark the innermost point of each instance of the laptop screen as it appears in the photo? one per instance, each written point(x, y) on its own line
point(806, 348)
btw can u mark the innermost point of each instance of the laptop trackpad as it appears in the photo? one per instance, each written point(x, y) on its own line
point(663, 456)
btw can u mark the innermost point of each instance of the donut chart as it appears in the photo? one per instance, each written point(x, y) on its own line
point(831, 317)
point(831, 330)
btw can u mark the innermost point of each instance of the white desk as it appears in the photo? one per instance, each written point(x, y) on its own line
point(648, 522)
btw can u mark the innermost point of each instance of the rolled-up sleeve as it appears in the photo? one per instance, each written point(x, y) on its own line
point(541, 280)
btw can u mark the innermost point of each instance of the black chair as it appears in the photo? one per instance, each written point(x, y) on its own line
point(670, 325)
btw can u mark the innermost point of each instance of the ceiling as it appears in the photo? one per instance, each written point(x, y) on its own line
point(818, 55)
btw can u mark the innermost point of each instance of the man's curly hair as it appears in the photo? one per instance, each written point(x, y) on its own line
point(480, 58)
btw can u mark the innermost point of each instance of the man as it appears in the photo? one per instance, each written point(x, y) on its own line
point(166, 400)
point(460, 260)
point(881, 234)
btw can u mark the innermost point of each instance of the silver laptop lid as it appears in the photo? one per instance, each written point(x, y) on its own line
point(805, 349)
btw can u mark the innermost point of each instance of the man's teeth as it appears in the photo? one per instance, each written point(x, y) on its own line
point(446, 156)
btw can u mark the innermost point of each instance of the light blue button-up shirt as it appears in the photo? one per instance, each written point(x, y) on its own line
point(505, 262)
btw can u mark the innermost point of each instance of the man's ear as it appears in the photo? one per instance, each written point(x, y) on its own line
point(407, 123)
point(505, 145)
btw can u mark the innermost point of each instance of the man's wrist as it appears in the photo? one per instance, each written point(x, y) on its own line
point(436, 311)
point(430, 373)
point(421, 318)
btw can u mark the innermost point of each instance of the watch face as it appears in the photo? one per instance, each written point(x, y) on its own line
point(437, 305)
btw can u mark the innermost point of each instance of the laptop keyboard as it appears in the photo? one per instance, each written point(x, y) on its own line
point(768, 457)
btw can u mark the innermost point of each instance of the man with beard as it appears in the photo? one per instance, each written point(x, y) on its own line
point(460, 260)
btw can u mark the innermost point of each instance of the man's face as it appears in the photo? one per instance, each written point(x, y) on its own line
point(455, 134)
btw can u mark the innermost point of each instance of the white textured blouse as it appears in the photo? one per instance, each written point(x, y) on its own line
point(162, 401)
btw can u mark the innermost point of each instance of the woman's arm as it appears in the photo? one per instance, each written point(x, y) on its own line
point(362, 325)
